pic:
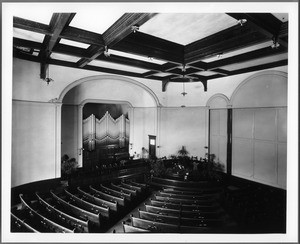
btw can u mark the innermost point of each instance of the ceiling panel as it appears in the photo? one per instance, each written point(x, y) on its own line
point(255, 62)
point(40, 16)
point(284, 17)
point(162, 74)
point(28, 35)
point(138, 57)
point(240, 51)
point(95, 20)
point(73, 43)
point(117, 66)
point(64, 57)
point(185, 28)
point(206, 73)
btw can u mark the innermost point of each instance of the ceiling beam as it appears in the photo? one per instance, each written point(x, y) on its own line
point(265, 23)
point(18, 42)
point(252, 55)
point(70, 33)
point(198, 53)
point(57, 23)
point(118, 31)
point(150, 46)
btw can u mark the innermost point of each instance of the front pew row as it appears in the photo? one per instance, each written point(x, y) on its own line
point(77, 210)
point(173, 213)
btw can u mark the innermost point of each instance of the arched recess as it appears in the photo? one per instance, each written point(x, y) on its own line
point(217, 132)
point(106, 89)
point(259, 122)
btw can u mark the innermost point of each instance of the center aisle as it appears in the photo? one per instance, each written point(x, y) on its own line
point(118, 227)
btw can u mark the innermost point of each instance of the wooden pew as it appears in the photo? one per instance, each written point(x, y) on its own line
point(188, 207)
point(144, 186)
point(153, 226)
point(96, 199)
point(123, 189)
point(185, 214)
point(116, 193)
point(53, 226)
point(81, 213)
point(193, 193)
point(184, 201)
point(186, 196)
point(132, 187)
point(178, 220)
point(104, 211)
point(81, 225)
point(131, 229)
point(106, 194)
point(20, 222)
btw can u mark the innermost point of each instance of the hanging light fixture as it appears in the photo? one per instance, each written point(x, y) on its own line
point(48, 79)
point(183, 93)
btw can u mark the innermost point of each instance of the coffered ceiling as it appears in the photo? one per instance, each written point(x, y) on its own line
point(166, 47)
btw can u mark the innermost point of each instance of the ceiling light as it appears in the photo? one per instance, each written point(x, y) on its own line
point(183, 93)
point(275, 44)
point(48, 79)
point(242, 21)
point(219, 55)
point(135, 28)
point(106, 53)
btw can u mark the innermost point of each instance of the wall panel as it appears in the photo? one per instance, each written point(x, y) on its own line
point(242, 157)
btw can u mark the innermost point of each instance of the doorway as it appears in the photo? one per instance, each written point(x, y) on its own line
point(152, 147)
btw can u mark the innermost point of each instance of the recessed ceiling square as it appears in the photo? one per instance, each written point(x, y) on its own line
point(96, 20)
point(256, 62)
point(138, 57)
point(28, 35)
point(109, 65)
point(185, 28)
point(64, 57)
point(73, 43)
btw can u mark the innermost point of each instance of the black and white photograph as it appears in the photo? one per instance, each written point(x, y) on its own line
point(149, 122)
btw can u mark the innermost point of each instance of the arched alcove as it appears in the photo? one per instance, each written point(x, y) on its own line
point(107, 89)
point(218, 105)
point(259, 122)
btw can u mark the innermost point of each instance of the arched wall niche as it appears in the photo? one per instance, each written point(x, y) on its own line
point(217, 101)
point(259, 128)
point(263, 89)
point(110, 89)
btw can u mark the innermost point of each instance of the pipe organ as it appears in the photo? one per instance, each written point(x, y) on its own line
point(106, 131)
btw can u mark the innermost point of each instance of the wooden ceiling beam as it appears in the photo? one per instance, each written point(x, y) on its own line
point(124, 26)
point(150, 46)
point(118, 31)
point(57, 23)
point(227, 45)
point(252, 55)
point(33, 26)
point(69, 33)
point(265, 23)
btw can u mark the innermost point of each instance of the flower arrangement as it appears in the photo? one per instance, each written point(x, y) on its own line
point(68, 166)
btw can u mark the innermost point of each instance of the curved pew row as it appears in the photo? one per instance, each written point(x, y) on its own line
point(158, 227)
point(178, 220)
point(185, 201)
point(183, 213)
point(80, 225)
point(131, 229)
point(139, 189)
point(103, 211)
point(187, 207)
point(21, 221)
point(187, 196)
point(49, 224)
point(107, 195)
point(96, 199)
point(123, 189)
point(93, 217)
point(205, 187)
point(115, 193)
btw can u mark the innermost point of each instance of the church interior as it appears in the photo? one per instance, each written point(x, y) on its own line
point(149, 122)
